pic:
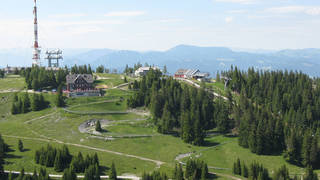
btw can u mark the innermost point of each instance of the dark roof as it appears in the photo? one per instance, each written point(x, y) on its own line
point(187, 72)
point(72, 77)
point(181, 71)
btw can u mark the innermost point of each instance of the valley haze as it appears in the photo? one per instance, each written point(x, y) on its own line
point(209, 59)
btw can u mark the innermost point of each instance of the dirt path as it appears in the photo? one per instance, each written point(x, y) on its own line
point(28, 122)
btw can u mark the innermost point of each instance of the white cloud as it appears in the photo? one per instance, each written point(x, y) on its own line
point(124, 13)
point(313, 11)
point(228, 19)
point(309, 10)
point(67, 15)
point(239, 11)
point(170, 20)
point(238, 1)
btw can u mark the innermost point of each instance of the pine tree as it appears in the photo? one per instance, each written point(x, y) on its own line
point(35, 175)
point(178, 172)
point(10, 176)
point(96, 159)
point(244, 170)
point(89, 69)
point(21, 175)
point(165, 71)
point(14, 109)
point(310, 175)
point(314, 152)
point(58, 162)
point(113, 172)
point(69, 174)
point(187, 131)
point(20, 146)
point(1, 166)
point(98, 126)
point(204, 171)
point(59, 98)
point(306, 151)
point(25, 103)
point(35, 103)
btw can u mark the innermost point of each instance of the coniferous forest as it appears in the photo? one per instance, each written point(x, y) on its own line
point(278, 112)
point(180, 108)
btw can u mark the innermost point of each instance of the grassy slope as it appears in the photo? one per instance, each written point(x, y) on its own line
point(12, 83)
point(64, 127)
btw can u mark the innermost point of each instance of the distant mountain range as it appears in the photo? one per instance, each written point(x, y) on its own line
point(207, 59)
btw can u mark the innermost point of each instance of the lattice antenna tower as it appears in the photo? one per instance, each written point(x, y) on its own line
point(36, 48)
point(54, 57)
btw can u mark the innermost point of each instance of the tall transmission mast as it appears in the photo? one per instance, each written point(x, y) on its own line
point(36, 48)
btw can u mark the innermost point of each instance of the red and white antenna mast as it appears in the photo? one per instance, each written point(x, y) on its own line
point(36, 48)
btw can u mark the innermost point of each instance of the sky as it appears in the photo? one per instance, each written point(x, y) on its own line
point(162, 24)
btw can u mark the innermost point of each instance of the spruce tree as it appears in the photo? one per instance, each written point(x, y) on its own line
point(244, 170)
point(35, 175)
point(204, 171)
point(310, 175)
point(69, 174)
point(178, 173)
point(306, 151)
point(20, 146)
point(35, 103)
point(10, 176)
point(25, 103)
point(113, 172)
point(98, 126)
point(14, 109)
point(21, 175)
point(58, 162)
point(59, 98)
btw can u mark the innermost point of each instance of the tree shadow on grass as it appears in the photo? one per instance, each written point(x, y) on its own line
point(26, 150)
point(12, 156)
point(104, 169)
point(213, 176)
point(210, 144)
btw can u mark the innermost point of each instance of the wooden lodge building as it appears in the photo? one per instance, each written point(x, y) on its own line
point(81, 85)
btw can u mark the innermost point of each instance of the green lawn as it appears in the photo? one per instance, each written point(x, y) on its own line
point(228, 151)
point(102, 107)
point(12, 83)
point(217, 87)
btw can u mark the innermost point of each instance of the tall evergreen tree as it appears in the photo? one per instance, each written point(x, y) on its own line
point(20, 146)
point(59, 98)
point(58, 162)
point(98, 126)
point(113, 172)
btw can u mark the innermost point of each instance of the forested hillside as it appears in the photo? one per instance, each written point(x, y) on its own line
point(178, 108)
point(278, 112)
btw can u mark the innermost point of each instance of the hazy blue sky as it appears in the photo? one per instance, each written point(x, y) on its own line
point(162, 24)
